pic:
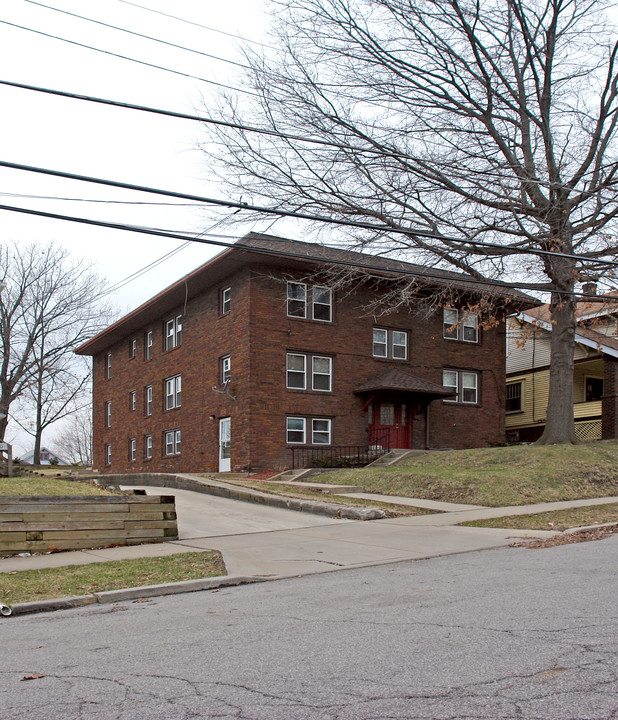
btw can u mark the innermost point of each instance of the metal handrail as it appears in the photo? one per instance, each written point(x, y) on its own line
point(342, 455)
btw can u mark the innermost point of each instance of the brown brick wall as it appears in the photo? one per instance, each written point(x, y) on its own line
point(257, 334)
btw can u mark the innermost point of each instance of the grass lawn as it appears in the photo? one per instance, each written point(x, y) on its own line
point(28, 485)
point(28, 585)
point(555, 520)
point(516, 475)
point(391, 509)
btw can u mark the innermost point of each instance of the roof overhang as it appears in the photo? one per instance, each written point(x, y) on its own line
point(595, 343)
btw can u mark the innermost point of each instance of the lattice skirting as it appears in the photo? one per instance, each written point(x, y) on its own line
point(588, 430)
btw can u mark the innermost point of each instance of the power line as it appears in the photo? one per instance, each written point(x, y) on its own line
point(406, 271)
point(204, 27)
point(130, 59)
point(94, 200)
point(136, 34)
point(301, 216)
point(383, 152)
point(142, 271)
point(267, 251)
point(188, 116)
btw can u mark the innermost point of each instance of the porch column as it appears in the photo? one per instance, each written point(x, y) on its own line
point(609, 402)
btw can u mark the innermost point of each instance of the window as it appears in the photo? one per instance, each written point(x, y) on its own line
point(296, 431)
point(380, 343)
point(132, 400)
point(513, 397)
point(320, 431)
point(321, 372)
point(297, 300)
point(108, 414)
point(322, 303)
point(226, 300)
point(148, 345)
point(296, 367)
point(108, 366)
point(147, 447)
point(463, 384)
point(132, 449)
point(226, 369)
point(460, 325)
point(173, 332)
point(173, 392)
point(148, 400)
point(108, 454)
point(321, 298)
point(132, 347)
point(594, 389)
point(391, 344)
point(172, 442)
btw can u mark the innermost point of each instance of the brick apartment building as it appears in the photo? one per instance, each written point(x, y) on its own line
point(250, 357)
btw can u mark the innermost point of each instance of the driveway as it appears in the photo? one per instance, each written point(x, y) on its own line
point(205, 516)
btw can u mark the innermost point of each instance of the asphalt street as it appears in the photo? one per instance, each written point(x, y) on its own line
point(503, 634)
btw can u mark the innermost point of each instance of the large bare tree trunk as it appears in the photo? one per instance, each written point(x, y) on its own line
point(560, 427)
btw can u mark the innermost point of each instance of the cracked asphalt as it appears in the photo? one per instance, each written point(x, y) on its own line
point(505, 634)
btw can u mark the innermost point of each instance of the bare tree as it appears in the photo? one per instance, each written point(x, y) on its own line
point(75, 441)
point(479, 136)
point(49, 304)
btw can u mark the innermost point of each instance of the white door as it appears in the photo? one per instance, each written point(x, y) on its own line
point(225, 444)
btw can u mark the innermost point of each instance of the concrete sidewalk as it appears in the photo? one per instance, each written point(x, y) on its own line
point(320, 545)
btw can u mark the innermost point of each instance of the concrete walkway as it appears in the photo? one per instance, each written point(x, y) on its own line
point(292, 543)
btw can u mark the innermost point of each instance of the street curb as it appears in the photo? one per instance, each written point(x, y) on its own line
point(588, 528)
point(136, 593)
point(232, 492)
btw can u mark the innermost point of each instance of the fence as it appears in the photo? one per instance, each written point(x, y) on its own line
point(339, 456)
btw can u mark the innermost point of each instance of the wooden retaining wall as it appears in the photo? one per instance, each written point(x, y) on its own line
point(40, 524)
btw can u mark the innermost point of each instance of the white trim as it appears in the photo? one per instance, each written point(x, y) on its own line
point(578, 338)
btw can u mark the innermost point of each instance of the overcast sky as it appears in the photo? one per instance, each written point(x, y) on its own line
point(118, 144)
point(126, 145)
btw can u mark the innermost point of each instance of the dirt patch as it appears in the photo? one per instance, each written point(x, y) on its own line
point(568, 538)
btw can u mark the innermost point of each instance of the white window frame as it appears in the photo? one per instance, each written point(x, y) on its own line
point(315, 432)
point(108, 454)
point(132, 347)
point(173, 333)
point(148, 345)
point(300, 426)
point(132, 450)
point(171, 442)
point(460, 387)
point(403, 345)
point(289, 430)
point(173, 392)
point(148, 400)
point(108, 414)
point(455, 327)
point(226, 369)
point(132, 400)
point(320, 304)
point(147, 447)
point(308, 369)
point(108, 366)
point(291, 298)
point(315, 374)
point(384, 338)
point(380, 339)
point(295, 372)
point(226, 300)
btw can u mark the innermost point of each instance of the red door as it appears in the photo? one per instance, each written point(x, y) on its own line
point(391, 418)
